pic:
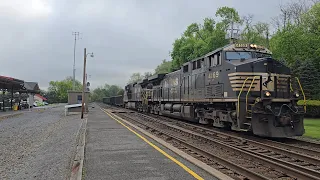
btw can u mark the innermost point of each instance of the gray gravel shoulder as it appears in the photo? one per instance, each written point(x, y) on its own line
point(38, 145)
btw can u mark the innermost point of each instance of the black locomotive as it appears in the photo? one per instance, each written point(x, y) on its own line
point(238, 86)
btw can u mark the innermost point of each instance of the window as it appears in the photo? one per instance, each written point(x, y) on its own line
point(184, 85)
point(194, 65)
point(198, 64)
point(79, 99)
point(260, 55)
point(185, 68)
point(238, 55)
point(218, 59)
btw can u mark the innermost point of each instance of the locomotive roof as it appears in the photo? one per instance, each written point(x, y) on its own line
point(235, 47)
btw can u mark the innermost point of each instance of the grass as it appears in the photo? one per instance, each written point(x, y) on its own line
point(312, 128)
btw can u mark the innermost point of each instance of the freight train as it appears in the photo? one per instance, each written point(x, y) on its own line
point(239, 87)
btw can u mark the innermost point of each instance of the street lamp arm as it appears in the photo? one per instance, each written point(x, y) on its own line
point(91, 54)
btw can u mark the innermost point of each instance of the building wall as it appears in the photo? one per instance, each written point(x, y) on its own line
point(36, 98)
point(74, 97)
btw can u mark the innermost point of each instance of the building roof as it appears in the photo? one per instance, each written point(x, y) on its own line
point(41, 97)
point(10, 83)
point(31, 87)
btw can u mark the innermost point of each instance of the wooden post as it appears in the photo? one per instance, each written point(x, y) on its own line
point(84, 81)
point(3, 100)
point(11, 97)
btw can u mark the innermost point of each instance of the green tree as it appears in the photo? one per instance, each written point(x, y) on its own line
point(199, 39)
point(164, 67)
point(228, 15)
point(297, 42)
point(309, 76)
point(57, 91)
point(135, 77)
point(105, 91)
point(255, 33)
point(147, 74)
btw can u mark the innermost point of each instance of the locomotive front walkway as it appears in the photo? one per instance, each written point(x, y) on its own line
point(113, 152)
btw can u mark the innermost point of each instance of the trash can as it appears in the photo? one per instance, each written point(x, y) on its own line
point(15, 107)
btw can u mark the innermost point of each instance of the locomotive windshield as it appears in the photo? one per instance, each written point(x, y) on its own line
point(236, 55)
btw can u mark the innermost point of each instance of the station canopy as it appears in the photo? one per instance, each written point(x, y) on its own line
point(11, 83)
point(18, 85)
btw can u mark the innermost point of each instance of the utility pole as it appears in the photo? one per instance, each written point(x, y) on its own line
point(76, 37)
point(232, 30)
point(84, 81)
point(84, 86)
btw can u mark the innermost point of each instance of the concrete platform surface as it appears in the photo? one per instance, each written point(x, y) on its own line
point(113, 152)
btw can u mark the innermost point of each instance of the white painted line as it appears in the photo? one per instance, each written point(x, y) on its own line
point(202, 165)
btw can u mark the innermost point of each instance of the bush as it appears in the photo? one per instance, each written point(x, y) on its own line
point(313, 107)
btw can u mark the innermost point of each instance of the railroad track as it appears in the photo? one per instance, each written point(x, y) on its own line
point(289, 144)
point(255, 160)
point(277, 160)
point(295, 146)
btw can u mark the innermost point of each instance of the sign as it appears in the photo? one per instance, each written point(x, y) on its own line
point(241, 45)
point(213, 75)
point(88, 84)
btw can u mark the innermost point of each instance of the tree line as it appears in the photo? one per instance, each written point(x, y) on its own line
point(58, 91)
point(293, 36)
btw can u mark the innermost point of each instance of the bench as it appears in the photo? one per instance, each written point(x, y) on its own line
point(73, 108)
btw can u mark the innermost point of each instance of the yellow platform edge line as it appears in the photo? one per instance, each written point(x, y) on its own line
point(195, 175)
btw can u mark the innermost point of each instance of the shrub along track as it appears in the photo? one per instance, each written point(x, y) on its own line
point(238, 157)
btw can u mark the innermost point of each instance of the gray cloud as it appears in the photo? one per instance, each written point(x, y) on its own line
point(125, 36)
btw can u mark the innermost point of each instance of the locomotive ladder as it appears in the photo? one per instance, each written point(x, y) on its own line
point(304, 97)
point(251, 105)
point(243, 85)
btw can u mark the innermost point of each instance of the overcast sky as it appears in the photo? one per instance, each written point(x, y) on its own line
point(125, 36)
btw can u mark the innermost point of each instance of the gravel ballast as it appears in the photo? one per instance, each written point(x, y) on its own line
point(38, 145)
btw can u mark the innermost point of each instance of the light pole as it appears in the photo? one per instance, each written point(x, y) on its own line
point(84, 79)
point(76, 36)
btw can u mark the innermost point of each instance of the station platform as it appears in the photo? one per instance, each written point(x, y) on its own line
point(115, 153)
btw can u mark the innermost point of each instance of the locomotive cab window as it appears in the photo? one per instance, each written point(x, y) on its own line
point(237, 55)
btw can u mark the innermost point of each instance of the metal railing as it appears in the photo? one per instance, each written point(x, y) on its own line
point(249, 91)
point(304, 97)
point(244, 83)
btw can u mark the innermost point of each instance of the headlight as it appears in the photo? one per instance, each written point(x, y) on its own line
point(267, 93)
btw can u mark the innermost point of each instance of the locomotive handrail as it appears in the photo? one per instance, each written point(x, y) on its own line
point(238, 110)
point(249, 91)
point(304, 97)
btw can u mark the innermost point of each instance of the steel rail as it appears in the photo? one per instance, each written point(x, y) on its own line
point(286, 167)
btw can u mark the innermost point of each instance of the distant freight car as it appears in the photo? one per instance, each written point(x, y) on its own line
point(106, 100)
point(118, 100)
point(114, 100)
